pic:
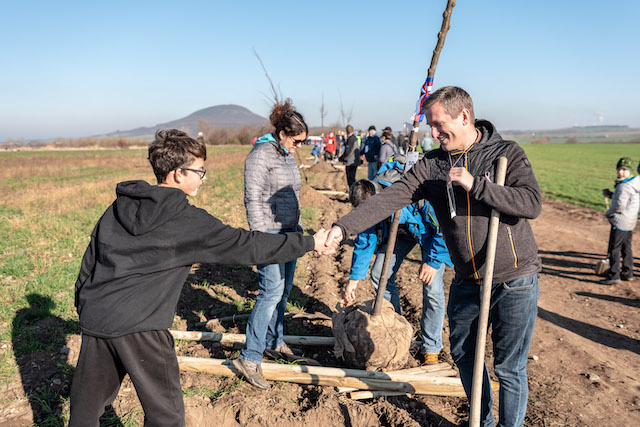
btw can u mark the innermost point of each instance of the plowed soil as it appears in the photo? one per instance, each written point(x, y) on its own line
point(584, 366)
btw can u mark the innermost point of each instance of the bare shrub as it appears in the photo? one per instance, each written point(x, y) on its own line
point(543, 140)
point(572, 140)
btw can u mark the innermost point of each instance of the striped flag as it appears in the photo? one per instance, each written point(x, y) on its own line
point(425, 91)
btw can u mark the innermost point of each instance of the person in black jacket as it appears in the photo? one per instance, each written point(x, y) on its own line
point(458, 180)
point(351, 156)
point(132, 273)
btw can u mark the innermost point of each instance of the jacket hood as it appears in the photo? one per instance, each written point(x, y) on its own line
point(141, 207)
point(265, 138)
point(489, 134)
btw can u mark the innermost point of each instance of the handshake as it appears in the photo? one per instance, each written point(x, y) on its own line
point(327, 241)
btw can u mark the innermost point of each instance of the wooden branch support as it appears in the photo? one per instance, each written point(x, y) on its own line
point(372, 394)
point(336, 377)
point(309, 316)
point(332, 193)
point(230, 339)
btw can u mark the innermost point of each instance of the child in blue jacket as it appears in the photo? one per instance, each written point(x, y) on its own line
point(418, 225)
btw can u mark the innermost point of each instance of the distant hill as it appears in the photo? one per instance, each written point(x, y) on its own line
point(218, 116)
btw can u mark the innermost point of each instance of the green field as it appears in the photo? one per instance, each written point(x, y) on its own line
point(576, 173)
point(50, 200)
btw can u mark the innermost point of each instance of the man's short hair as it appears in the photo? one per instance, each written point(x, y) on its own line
point(453, 99)
point(174, 149)
point(360, 191)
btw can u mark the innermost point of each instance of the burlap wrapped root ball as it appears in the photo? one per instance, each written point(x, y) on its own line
point(374, 343)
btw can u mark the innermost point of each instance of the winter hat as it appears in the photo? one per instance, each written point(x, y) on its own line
point(372, 127)
point(625, 163)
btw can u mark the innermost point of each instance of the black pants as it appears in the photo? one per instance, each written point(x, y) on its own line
point(620, 244)
point(150, 360)
point(351, 174)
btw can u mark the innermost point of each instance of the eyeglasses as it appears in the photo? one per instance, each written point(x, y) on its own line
point(201, 172)
point(298, 142)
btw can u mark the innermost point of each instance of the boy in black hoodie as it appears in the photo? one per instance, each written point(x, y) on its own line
point(132, 273)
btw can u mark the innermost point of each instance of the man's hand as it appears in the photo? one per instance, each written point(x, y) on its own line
point(349, 291)
point(462, 176)
point(333, 238)
point(319, 240)
point(427, 273)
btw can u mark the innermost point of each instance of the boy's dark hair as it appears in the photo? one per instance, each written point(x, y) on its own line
point(453, 99)
point(173, 149)
point(285, 118)
point(360, 191)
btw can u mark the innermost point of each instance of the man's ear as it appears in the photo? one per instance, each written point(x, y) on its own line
point(466, 116)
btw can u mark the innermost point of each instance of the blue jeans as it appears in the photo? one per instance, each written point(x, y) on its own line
point(433, 306)
point(372, 169)
point(513, 312)
point(265, 327)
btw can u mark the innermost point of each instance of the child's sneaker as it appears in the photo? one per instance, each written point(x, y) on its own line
point(429, 358)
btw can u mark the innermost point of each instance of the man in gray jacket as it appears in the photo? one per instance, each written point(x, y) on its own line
point(457, 179)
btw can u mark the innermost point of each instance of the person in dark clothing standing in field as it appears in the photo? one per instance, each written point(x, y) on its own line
point(351, 156)
point(371, 152)
point(458, 180)
point(132, 273)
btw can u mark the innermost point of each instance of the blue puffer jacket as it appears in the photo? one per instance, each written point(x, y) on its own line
point(419, 220)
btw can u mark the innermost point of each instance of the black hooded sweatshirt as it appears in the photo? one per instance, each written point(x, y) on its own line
point(466, 233)
point(141, 252)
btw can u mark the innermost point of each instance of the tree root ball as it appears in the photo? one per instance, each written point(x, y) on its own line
point(374, 343)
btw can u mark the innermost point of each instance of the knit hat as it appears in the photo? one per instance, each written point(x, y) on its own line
point(372, 127)
point(625, 163)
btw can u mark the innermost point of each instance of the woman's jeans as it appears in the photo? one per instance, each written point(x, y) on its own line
point(513, 312)
point(433, 305)
point(265, 328)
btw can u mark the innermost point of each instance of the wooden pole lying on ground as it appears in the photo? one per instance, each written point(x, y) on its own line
point(310, 316)
point(334, 377)
point(485, 301)
point(230, 339)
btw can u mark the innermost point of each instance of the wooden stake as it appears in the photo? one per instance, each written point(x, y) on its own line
point(230, 339)
point(485, 302)
point(372, 394)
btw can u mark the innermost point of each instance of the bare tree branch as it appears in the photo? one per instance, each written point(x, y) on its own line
point(275, 93)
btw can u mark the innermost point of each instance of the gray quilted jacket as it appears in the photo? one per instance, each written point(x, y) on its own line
point(272, 188)
point(625, 202)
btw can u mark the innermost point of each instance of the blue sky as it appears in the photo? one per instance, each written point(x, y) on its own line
point(78, 68)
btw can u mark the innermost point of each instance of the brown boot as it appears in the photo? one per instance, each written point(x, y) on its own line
point(252, 372)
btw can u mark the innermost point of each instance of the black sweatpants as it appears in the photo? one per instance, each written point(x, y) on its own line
point(150, 360)
point(620, 243)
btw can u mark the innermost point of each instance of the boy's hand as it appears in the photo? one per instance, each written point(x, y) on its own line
point(349, 291)
point(606, 192)
point(333, 238)
point(319, 239)
point(427, 273)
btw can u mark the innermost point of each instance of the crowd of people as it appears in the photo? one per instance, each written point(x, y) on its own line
point(142, 249)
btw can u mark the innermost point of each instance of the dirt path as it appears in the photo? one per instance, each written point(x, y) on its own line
point(584, 362)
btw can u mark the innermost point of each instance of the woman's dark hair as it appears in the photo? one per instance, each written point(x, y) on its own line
point(387, 134)
point(173, 149)
point(285, 118)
